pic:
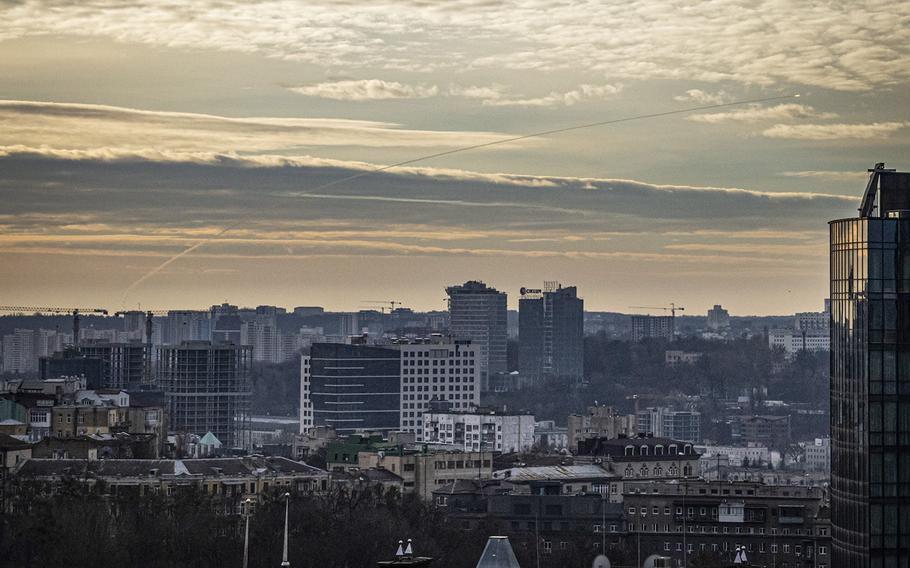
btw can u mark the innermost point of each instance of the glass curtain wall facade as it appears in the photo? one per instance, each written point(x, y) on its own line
point(870, 385)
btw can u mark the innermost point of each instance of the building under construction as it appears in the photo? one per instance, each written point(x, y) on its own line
point(123, 364)
point(208, 389)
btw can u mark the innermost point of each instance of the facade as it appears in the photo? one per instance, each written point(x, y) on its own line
point(480, 313)
point(718, 318)
point(663, 422)
point(599, 422)
point(870, 376)
point(696, 519)
point(497, 431)
point(735, 456)
point(653, 327)
point(389, 387)
point(551, 334)
point(674, 358)
point(792, 341)
point(207, 387)
point(548, 436)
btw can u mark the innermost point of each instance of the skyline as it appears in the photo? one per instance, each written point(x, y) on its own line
point(130, 131)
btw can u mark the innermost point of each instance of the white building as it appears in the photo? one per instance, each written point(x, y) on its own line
point(734, 456)
point(818, 455)
point(793, 341)
point(474, 431)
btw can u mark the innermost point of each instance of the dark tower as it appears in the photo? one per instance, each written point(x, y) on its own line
point(870, 377)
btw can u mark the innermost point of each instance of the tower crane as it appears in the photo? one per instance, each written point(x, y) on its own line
point(384, 303)
point(672, 309)
point(53, 310)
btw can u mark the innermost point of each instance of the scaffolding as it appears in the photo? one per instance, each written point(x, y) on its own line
point(208, 389)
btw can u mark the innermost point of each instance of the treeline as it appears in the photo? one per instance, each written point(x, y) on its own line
point(84, 528)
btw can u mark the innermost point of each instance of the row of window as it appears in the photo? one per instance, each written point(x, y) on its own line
point(796, 549)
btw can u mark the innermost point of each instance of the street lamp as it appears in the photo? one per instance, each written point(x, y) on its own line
point(246, 534)
point(284, 554)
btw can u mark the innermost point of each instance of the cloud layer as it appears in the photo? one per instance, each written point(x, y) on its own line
point(849, 46)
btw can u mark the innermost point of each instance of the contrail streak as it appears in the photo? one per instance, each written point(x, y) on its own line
point(377, 170)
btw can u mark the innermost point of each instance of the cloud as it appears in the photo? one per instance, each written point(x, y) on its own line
point(366, 90)
point(834, 131)
point(76, 127)
point(491, 92)
point(568, 98)
point(704, 97)
point(764, 43)
point(790, 111)
point(828, 175)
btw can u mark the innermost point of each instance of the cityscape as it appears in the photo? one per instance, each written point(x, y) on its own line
point(475, 284)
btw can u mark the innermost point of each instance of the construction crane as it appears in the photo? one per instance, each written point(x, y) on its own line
point(383, 303)
point(672, 309)
point(46, 310)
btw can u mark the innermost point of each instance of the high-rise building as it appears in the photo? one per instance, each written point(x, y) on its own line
point(207, 387)
point(718, 318)
point(385, 387)
point(480, 313)
point(124, 364)
point(19, 352)
point(551, 333)
point(652, 327)
point(666, 423)
point(870, 376)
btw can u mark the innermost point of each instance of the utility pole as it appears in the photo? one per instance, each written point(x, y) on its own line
point(284, 554)
point(246, 534)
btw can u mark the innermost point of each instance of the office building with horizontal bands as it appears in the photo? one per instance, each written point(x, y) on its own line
point(207, 387)
point(385, 387)
point(551, 333)
point(499, 431)
point(870, 376)
point(480, 313)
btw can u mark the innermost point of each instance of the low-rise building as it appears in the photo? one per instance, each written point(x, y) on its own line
point(642, 457)
point(423, 470)
point(737, 456)
point(771, 431)
point(675, 358)
point(550, 437)
point(499, 431)
point(599, 422)
point(663, 422)
point(685, 518)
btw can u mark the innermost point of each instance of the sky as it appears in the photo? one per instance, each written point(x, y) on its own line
point(244, 136)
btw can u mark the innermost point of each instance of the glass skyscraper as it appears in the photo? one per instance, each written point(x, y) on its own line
point(870, 377)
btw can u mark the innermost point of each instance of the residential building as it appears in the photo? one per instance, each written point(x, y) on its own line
point(19, 354)
point(550, 437)
point(425, 470)
point(551, 333)
point(599, 422)
point(689, 519)
point(652, 327)
point(642, 456)
point(389, 387)
point(718, 318)
point(674, 358)
point(771, 431)
point(735, 456)
point(475, 430)
point(818, 455)
point(13, 451)
point(664, 422)
point(480, 313)
point(792, 341)
point(208, 389)
point(251, 477)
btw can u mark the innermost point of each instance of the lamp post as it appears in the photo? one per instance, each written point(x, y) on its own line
point(284, 554)
point(246, 534)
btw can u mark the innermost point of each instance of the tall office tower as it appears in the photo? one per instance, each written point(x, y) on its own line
point(383, 388)
point(123, 363)
point(480, 313)
point(870, 377)
point(551, 333)
point(207, 387)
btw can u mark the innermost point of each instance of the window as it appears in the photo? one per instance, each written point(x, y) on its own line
point(547, 547)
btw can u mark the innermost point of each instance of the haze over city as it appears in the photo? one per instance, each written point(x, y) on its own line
point(133, 130)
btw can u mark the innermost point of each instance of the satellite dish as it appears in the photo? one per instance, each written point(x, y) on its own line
point(601, 562)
